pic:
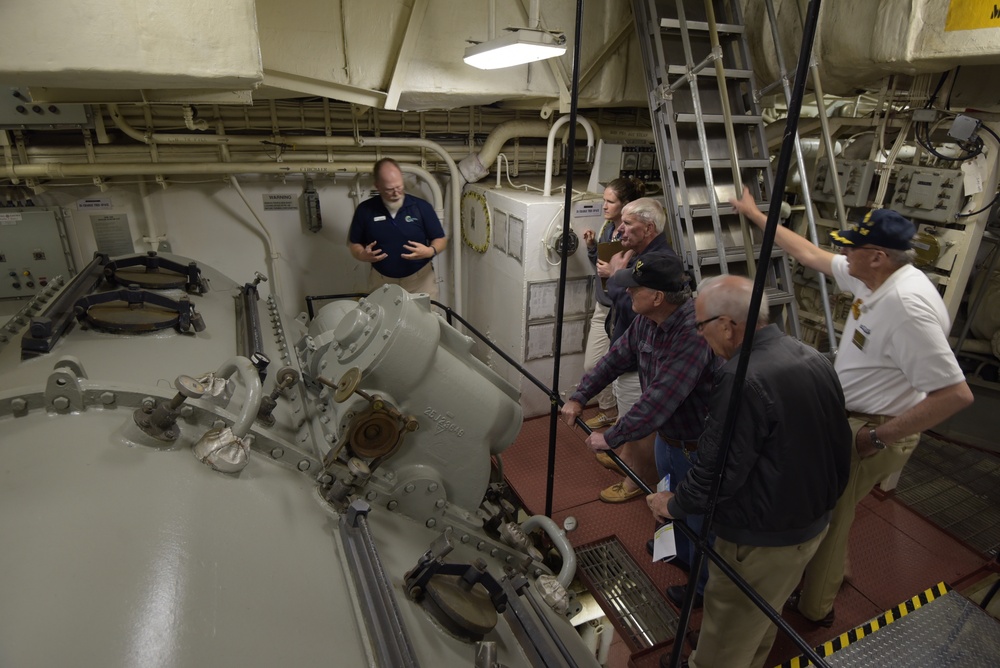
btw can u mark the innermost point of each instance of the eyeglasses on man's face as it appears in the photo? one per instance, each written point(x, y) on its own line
point(700, 325)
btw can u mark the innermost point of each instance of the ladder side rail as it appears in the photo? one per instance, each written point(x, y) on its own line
point(727, 115)
point(660, 107)
point(702, 142)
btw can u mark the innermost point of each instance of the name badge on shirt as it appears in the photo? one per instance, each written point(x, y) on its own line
point(378, 218)
point(859, 339)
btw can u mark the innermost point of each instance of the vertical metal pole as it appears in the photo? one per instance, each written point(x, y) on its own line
point(824, 124)
point(781, 177)
point(831, 333)
point(561, 302)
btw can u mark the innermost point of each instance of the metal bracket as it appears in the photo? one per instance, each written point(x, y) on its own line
point(62, 389)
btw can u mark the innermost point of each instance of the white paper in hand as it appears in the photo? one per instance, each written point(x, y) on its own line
point(664, 546)
point(664, 484)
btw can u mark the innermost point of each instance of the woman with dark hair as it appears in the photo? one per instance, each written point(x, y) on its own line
point(617, 194)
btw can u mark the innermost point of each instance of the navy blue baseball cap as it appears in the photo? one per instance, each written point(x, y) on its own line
point(880, 227)
point(656, 270)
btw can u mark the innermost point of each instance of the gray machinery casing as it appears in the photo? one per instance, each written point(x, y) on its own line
point(125, 549)
point(426, 368)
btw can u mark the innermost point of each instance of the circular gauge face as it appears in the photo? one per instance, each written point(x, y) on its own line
point(475, 221)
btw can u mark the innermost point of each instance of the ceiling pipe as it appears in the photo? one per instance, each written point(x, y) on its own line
point(258, 140)
point(550, 147)
point(54, 170)
point(475, 166)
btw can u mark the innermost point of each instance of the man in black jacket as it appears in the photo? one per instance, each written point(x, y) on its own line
point(788, 464)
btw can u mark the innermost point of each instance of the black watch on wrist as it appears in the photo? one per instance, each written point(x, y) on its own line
point(876, 441)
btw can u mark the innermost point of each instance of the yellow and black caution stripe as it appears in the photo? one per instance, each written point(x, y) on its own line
point(883, 620)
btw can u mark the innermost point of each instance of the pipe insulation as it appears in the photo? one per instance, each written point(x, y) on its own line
point(257, 140)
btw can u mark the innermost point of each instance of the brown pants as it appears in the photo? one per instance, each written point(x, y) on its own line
point(421, 281)
point(825, 572)
point(734, 633)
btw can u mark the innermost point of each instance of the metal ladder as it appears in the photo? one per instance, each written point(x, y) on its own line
point(710, 139)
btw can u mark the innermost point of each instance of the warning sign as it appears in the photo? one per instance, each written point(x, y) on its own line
point(279, 202)
point(972, 15)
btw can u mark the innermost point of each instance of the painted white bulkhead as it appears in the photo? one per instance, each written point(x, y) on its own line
point(512, 287)
point(211, 217)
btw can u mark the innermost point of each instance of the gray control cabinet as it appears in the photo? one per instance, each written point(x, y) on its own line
point(33, 251)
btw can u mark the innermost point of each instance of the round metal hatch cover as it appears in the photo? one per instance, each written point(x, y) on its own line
point(161, 279)
point(118, 316)
point(467, 613)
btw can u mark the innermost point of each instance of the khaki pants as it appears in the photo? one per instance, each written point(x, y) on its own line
point(597, 347)
point(734, 632)
point(825, 572)
point(421, 281)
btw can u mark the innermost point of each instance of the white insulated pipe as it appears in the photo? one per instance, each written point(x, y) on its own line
point(474, 167)
point(256, 140)
point(152, 238)
point(550, 147)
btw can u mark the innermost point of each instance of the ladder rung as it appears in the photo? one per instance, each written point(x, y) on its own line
point(776, 297)
point(726, 72)
point(723, 28)
point(710, 256)
point(718, 118)
point(705, 210)
point(719, 163)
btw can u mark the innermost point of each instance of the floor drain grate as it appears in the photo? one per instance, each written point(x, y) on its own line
point(957, 489)
point(627, 595)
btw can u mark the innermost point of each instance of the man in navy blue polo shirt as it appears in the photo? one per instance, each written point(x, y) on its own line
point(398, 234)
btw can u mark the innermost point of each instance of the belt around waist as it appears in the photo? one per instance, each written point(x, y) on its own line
point(869, 417)
point(690, 446)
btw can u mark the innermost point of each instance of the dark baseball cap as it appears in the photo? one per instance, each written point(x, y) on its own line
point(881, 227)
point(656, 271)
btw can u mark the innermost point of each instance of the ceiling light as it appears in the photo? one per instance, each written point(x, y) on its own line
point(517, 47)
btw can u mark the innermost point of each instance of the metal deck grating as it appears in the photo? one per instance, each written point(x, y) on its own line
point(626, 594)
point(957, 488)
point(937, 628)
point(949, 631)
point(912, 494)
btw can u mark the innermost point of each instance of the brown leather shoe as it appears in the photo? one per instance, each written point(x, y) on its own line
point(608, 463)
point(601, 420)
point(793, 604)
point(618, 494)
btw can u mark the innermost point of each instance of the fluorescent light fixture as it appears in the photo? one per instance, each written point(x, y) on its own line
point(517, 47)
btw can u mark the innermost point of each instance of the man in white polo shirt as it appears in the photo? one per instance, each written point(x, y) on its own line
point(898, 372)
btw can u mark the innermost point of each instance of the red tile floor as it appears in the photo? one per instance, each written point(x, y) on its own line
point(894, 553)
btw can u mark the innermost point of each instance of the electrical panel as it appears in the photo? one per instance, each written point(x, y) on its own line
point(19, 111)
point(32, 251)
point(617, 160)
point(927, 193)
point(855, 181)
